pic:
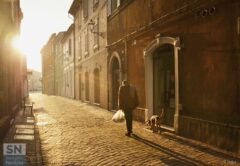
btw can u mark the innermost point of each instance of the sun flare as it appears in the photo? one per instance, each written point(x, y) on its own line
point(18, 45)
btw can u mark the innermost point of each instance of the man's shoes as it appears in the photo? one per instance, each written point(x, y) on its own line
point(128, 134)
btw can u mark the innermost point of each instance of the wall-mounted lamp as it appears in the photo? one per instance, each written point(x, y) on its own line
point(91, 24)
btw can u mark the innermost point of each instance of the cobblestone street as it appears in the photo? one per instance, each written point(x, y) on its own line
point(75, 133)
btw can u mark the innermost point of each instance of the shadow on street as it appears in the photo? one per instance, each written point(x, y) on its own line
point(201, 148)
point(180, 159)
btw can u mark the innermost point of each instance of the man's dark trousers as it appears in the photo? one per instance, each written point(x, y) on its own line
point(128, 117)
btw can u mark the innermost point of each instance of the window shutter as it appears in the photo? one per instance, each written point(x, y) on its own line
point(109, 9)
point(86, 43)
point(96, 34)
point(70, 47)
point(79, 20)
point(114, 4)
point(85, 9)
point(95, 4)
point(79, 47)
point(118, 3)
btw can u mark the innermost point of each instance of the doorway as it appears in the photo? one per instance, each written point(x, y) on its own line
point(164, 83)
point(96, 86)
point(115, 83)
point(86, 86)
point(80, 86)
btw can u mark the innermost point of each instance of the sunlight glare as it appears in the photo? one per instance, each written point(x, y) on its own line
point(18, 45)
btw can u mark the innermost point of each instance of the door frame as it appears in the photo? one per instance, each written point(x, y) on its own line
point(148, 60)
point(97, 84)
point(80, 86)
point(87, 86)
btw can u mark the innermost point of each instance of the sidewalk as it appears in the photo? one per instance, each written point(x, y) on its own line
point(184, 148)
point(23, 130)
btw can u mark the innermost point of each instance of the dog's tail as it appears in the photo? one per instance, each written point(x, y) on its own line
point(162, 113)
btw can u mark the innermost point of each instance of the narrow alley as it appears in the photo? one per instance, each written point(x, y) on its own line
point(171, 68)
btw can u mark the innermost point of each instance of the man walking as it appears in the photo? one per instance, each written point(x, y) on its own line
point(127, 101)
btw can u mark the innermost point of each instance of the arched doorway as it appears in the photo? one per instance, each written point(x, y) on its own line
point(115, 83)
point(164, 83)
point(115, 78)
point(80, 86)
point(86, 86)
point(96, 86)
point(162, 79)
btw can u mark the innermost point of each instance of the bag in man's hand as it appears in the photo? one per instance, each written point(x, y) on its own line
point(118, 116)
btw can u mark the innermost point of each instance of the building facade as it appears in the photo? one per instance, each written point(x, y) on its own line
point(90, 20)
point(68, 61)
point(13, 72)
point(59, 79)
point(48, 66)
point(183, 58)
point(34, 80)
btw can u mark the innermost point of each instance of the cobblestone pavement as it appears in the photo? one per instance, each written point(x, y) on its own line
point(75, 133)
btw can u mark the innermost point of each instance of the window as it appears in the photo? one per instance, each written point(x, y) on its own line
point(109, 11)
point(114, 4)
point(56, 50)
point(118, 3)
point(86, 44)
point(95, 4)
point(70, 47)
point(85, 9)
point(64, 50)
point(96, 34)
point(52, 48)
point(79, 48)
point(79, 20)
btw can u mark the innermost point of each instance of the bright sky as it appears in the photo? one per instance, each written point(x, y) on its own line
point(41, 19)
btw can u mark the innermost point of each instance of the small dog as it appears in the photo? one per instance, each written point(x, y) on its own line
point(155, 122)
